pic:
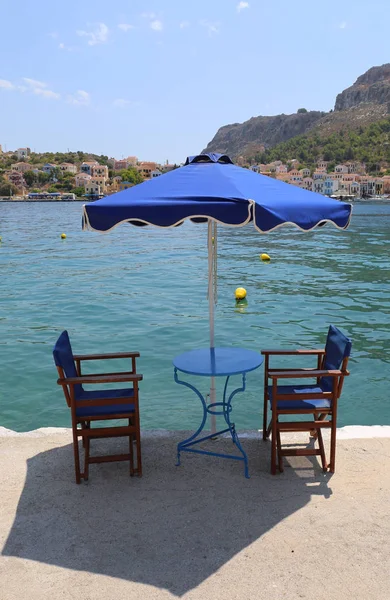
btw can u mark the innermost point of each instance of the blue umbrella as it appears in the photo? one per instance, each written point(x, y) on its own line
point(210, 188)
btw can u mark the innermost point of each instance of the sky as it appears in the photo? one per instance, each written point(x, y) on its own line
point(157, 79)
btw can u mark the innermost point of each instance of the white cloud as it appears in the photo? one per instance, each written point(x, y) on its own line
point(125, 26)
point(212, 28)
point(80, 98)
point(242, 5)
point(46, 93)
point(156, 25)
point(6, 85)
point(184, 24)
point(53, 35)
point(342, 25)
point(34, 83)
point(121, 103)
point(97, 34)
point(63, 46)
point(39, 88)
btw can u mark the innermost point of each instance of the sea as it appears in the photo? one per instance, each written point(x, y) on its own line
point(145, 289)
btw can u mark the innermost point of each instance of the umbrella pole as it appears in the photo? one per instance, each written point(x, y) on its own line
point(211, 249)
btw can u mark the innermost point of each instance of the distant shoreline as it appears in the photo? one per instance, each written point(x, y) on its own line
point(42, 200)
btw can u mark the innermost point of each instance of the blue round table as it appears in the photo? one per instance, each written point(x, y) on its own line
point(216, 362)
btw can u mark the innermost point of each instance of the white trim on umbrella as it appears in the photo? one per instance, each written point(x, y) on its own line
point(251, 203)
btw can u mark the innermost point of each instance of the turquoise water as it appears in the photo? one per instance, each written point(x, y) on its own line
point(145, 289)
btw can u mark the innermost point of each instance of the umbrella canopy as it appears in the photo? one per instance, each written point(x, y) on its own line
point(210, 186)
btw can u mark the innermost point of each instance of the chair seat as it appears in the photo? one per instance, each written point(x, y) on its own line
point(108, 409)
point(299, 404)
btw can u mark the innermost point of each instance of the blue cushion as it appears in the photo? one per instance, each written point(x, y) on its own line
point(63, 357)
point(299, 404)
point(108, 409)
point(337, 347)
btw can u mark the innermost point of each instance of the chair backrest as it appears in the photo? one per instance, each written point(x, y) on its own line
point(337, 348)
point(63, 358)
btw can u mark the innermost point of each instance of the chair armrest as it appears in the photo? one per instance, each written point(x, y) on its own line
point(302, 373)
point(279, 370)
point(292, 352)
point(117, 378)
point(106, 356)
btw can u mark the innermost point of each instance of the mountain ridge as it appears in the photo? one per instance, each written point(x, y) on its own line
point(366, 101)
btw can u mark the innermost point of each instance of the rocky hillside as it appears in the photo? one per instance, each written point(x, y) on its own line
point(372, 87)
point(365, 102)
point(260, 132)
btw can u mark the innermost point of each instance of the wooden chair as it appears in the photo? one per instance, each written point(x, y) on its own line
point(319, 399)
point(87, 407)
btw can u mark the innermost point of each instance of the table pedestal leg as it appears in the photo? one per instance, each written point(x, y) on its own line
point(187, 444)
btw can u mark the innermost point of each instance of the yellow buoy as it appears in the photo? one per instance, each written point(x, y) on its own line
point(240, 293)
point(63, 236)
point(0, 239)
point(264, 257)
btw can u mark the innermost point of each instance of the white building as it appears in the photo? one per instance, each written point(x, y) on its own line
point(319, 175)
point(22, 153)
point(68, 168)
point(355, 188)
point(21, 167)
point(322, 164)
point(318, 186)
point(341, 169)
point(330, 186)
point(92, 189)
point(82, 179)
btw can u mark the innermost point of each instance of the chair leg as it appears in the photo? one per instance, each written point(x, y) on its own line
point(76, 455)
point(280, 457)
point(86, 457)
point(85, 425)
point(332, 463)
point(322, 450)
point(314, 432)
point(317, 417)
point(265, 415)
point(131, 451)
point(138, 444)
point(273, 444)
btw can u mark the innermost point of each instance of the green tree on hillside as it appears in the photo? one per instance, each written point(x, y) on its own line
point(79, 191)
point(132, 175)
point(30, 178)
point(8, 189)
point(370, 145)
point(43, 177)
